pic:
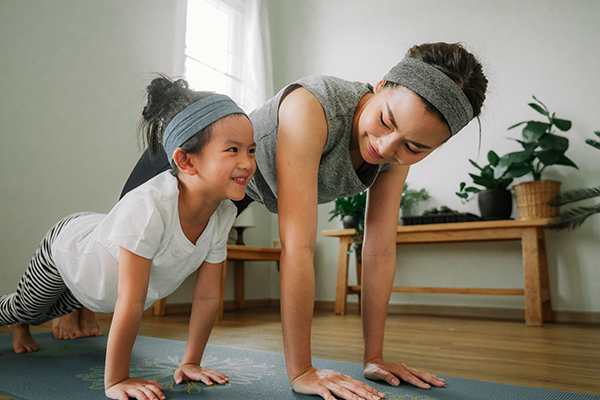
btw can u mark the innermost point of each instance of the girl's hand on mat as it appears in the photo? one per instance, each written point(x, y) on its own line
point(327, 383)
point(192, 372)
point(378, 370)
point(137, 388)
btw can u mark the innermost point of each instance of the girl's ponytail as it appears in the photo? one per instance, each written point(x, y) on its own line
point(166, 99)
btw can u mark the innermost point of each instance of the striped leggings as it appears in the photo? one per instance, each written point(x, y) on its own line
point(41, 294)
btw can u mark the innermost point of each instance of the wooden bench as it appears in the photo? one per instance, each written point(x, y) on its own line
point(538, 307)
point(239, 254)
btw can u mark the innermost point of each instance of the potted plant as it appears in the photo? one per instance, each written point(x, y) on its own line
point(494, 198)
point(351, 210)
point(574, 217)
point(541, 148)
point(410, 197)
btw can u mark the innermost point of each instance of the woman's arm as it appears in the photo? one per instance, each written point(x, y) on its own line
point(205, 307)
point(134, 276)
point(379, 269)
point(301, 139)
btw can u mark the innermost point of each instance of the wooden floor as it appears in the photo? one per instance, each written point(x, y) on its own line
point(556, 356)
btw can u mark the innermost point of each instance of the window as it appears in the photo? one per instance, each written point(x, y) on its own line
point(214, 45)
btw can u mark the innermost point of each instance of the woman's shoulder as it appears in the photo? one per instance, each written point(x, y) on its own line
point(326, 85)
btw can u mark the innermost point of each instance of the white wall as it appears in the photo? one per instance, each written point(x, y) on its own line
point(71, 90)
point(544, 48)
point(71, 87)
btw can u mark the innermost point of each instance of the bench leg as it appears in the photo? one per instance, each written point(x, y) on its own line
point(239, 294)
point(222, 299)
point(159, 307)
point(341, 291)
point(358, 254)
point(532, 274)
point(544, 279)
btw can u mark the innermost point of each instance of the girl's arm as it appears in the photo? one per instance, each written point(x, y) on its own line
point(134, 276)
point(379, 269)
point(301, 139)
point(205, 307)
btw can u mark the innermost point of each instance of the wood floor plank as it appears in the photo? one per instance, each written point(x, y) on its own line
point(556, 356)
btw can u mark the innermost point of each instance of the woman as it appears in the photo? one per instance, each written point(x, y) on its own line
point(322, 138)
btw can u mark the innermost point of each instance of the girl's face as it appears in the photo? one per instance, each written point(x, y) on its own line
point(226, 163)
point(395, 127)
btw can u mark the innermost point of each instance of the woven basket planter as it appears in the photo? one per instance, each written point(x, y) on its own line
point(532, 199)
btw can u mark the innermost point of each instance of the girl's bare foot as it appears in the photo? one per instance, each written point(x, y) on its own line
point(67, 326)
point(22, 340)
point(88, 323)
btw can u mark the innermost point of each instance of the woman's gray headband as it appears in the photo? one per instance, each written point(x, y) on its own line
point(196, 117)
point(436, 87)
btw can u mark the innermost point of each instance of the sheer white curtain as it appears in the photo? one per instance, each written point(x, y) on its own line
point(257, 78)
point(227, 49)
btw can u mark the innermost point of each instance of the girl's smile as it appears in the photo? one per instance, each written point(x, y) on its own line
point(226, 163)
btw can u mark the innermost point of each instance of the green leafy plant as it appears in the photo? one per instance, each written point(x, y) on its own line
point(353, 206)
point(574, 217)
point(541, 147)
point(486, 179)
point(410, 197)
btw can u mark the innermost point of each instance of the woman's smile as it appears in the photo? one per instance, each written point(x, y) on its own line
point(374, 152)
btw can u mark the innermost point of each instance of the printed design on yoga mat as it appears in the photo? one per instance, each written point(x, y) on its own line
point(240, 372)
point(392, 396)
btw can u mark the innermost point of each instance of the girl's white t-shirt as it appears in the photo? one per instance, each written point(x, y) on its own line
point(145, 222)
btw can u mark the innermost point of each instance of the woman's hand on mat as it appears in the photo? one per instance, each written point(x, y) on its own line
point(137, 388)
point(192, 372)
point(327, 383)
point(378, 370)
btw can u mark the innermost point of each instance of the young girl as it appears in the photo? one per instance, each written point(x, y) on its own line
point(160, 233)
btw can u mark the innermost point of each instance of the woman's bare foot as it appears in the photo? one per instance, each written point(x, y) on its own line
point(88, 323)
point(67, 326)
point(22, 340)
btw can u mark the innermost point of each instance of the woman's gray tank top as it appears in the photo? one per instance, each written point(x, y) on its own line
point(337, 177)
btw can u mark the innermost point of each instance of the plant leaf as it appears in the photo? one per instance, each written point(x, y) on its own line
point(515, 125)
point(534, 130)
point(543, 105)
point(593, 143)
point(554, 142)
point(573, 218)
point(572, 196)
point(564, 160)
point(493, 158)
point(538, 109)
point(549, 157)
point(562, 124)
point(517, 172)
point(473, 163)
point(503, 165)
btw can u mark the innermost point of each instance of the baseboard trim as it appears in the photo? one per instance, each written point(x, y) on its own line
point(512, 314)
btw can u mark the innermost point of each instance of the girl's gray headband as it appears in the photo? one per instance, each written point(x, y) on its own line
point(196, 117)
point(435, 87)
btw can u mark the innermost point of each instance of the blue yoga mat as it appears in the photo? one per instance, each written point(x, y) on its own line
point(74, 369)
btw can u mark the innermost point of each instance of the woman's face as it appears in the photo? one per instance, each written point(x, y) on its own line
point(395, 127)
